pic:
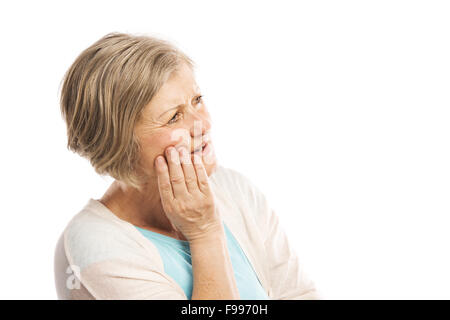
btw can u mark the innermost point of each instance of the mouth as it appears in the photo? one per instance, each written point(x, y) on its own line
point(201, 148)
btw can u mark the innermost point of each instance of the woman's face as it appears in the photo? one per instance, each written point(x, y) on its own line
point(176, 116)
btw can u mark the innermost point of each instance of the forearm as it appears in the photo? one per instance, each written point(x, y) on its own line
point(212, 270)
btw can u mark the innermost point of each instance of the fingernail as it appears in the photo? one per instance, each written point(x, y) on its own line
point(182, 152)
point(159, 160)
point(174, 155)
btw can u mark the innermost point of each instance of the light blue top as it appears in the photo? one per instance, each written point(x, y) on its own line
point(176, 256)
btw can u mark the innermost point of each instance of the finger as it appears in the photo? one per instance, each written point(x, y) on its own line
point(190, 176)
point(164, 185)
point(202, 176)
point(176, 174)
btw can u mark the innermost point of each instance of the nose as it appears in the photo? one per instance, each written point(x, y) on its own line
point(201, 124)
point(196, 131)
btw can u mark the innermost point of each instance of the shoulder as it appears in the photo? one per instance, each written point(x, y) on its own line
point(93, 236)
point(232, 179)
point(238, 184)
point(240, 189)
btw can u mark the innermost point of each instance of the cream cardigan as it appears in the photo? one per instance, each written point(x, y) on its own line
point(100, 256)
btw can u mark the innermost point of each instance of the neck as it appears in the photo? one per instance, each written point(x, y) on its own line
point(140, 208)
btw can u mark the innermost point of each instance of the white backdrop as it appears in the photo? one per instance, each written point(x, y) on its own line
point(338, 111)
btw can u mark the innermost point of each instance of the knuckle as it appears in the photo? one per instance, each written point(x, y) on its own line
point(209, 205)
point(191, 180)
point(182, 207)
point(204, 183)
point(165, 186)
point(176, 179)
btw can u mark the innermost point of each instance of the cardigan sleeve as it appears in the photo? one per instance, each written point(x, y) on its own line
point(118, 279)
point(106, 263)
point(287, 277)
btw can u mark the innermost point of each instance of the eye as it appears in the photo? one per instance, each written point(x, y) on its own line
point(199, 98)
point(174, 117)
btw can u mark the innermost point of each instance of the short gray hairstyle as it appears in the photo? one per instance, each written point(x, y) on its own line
point(103, 95)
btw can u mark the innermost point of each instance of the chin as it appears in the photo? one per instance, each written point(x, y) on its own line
point(210, 161)
point(210, 168)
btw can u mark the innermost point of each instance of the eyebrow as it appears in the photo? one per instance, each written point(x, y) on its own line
point(176, 107)
point(169, 110)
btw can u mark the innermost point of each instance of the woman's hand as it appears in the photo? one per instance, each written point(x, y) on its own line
point(185, 194)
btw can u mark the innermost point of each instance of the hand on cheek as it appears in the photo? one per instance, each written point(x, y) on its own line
point(185, 193)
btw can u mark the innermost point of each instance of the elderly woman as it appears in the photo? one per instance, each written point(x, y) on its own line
point(174, 224)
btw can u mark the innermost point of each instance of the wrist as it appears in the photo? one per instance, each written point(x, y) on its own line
point(213, 235)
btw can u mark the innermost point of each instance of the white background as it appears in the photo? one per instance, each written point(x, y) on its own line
point(338, 111)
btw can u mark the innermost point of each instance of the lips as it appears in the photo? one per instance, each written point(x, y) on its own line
point(205, 140)
point(200, 148)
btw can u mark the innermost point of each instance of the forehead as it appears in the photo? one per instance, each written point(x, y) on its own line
point(179, 88)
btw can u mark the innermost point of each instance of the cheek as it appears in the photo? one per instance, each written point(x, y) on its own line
point(177, 137)
point(152, 146)
point(156, 144)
